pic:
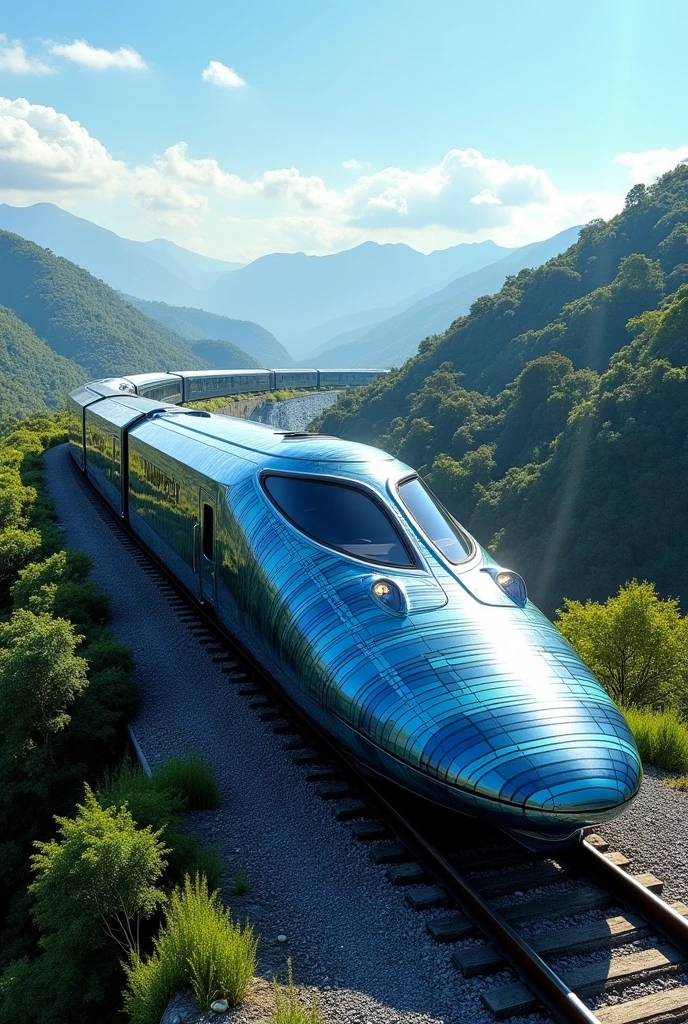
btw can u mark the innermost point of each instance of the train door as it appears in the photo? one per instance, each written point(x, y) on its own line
point(208, 528)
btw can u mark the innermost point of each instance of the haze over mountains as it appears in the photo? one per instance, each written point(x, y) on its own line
point(367, 306)
point(150, 270)
point(396, 338)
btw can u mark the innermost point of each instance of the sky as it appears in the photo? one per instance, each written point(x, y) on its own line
point(241, 129)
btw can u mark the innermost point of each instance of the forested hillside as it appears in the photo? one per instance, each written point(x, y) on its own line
point(553, 418)
point(33, 378)
point(248, 340)
point(81, 318)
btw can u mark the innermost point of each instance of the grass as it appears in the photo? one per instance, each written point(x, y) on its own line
point(192, 777)
point(288, 1009)
point(198, 947)
point(240, 887)
point(662, 738)
point(681, 783)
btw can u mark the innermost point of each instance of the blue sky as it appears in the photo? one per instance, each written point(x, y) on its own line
point(457, 121)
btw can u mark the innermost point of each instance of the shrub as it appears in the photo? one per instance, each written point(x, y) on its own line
point(59, 568)
point(198, 946)
point(636, 644)
point(103, 864)
point(191, 776)
point(288, 1009)
point(662, 738)
point(17, 547)
point(162, 808)
point(41, 677)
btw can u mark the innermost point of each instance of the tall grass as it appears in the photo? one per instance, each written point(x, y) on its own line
point(192, 777)
point(198, 947)
point(661, 736)
point(288, 1009)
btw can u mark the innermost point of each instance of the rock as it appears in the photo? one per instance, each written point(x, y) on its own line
point(219, 1006)
point(281, 938)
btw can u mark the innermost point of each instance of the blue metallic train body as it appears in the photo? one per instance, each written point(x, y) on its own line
point(461, 694)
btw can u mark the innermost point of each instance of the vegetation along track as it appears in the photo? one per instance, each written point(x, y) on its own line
point(477, 883)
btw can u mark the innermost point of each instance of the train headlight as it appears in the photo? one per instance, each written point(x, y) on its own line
point(513, 586)
point(389, 595)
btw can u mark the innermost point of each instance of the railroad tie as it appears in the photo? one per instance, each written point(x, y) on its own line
point(508, 1000)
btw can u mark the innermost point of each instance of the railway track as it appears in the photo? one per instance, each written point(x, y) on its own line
point(494, 904)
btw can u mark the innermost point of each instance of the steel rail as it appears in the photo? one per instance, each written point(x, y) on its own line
point(635, 896)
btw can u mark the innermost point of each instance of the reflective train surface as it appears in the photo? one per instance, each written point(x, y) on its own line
point(376, 612)
point(197, 385)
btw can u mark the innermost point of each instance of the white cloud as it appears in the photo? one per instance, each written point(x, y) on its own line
point(81, 52)
point(42, 150)
point(352, 165)
point(176, 164)
point(220, 74)
point(649, 164)
point(13, 59)
point(485, 198)
point(464, 197)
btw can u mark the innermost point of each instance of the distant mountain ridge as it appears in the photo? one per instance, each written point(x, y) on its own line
point(290, 293)
point(396, 339)
point(152, 270)
point(245, 337)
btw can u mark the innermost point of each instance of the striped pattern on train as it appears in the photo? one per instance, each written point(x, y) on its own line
point(175, 387)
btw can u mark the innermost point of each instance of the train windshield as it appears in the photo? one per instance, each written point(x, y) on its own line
point(341, 517)
point(435, 523)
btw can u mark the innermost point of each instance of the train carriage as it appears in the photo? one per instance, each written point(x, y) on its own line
point(293, 379)
point(203, 384)
point(348, 378)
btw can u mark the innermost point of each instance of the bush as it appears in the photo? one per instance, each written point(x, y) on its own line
point(662, 738)
point(288, 1009)
point(41, 678)
point(59, 568)
point(162, 808)
point(103, 871)
point(636, 644)
point(17, 547)
point(191, 776)
point(198, 946)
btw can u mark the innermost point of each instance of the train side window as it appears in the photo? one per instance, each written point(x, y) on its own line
point(342, 517)
point(208, 532)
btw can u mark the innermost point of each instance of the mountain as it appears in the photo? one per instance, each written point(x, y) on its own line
point(262, 347)
point(81, 318)
point(552, 418)
point(32, 377)
point(153, 270)
point(290, 292)
point(395, 339)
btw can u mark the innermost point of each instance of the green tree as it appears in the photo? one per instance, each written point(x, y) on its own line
point(102, 868)
point(40, 676)
point(635, 643)
point(17, 547)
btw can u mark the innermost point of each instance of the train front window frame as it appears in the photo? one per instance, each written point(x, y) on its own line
point(440, 515)
point(405, 557)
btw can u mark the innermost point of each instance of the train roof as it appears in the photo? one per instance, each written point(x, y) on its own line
point(257, 437)
point(218, 373)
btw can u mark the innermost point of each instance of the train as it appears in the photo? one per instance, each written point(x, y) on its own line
point(376, 612)
point(198, 385)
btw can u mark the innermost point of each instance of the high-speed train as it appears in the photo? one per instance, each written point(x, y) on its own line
point(377, 613)
point(198, 385)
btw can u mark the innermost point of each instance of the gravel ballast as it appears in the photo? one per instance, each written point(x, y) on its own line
point(352, 938)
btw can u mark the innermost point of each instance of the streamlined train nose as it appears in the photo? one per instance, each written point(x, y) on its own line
point(516, 723)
